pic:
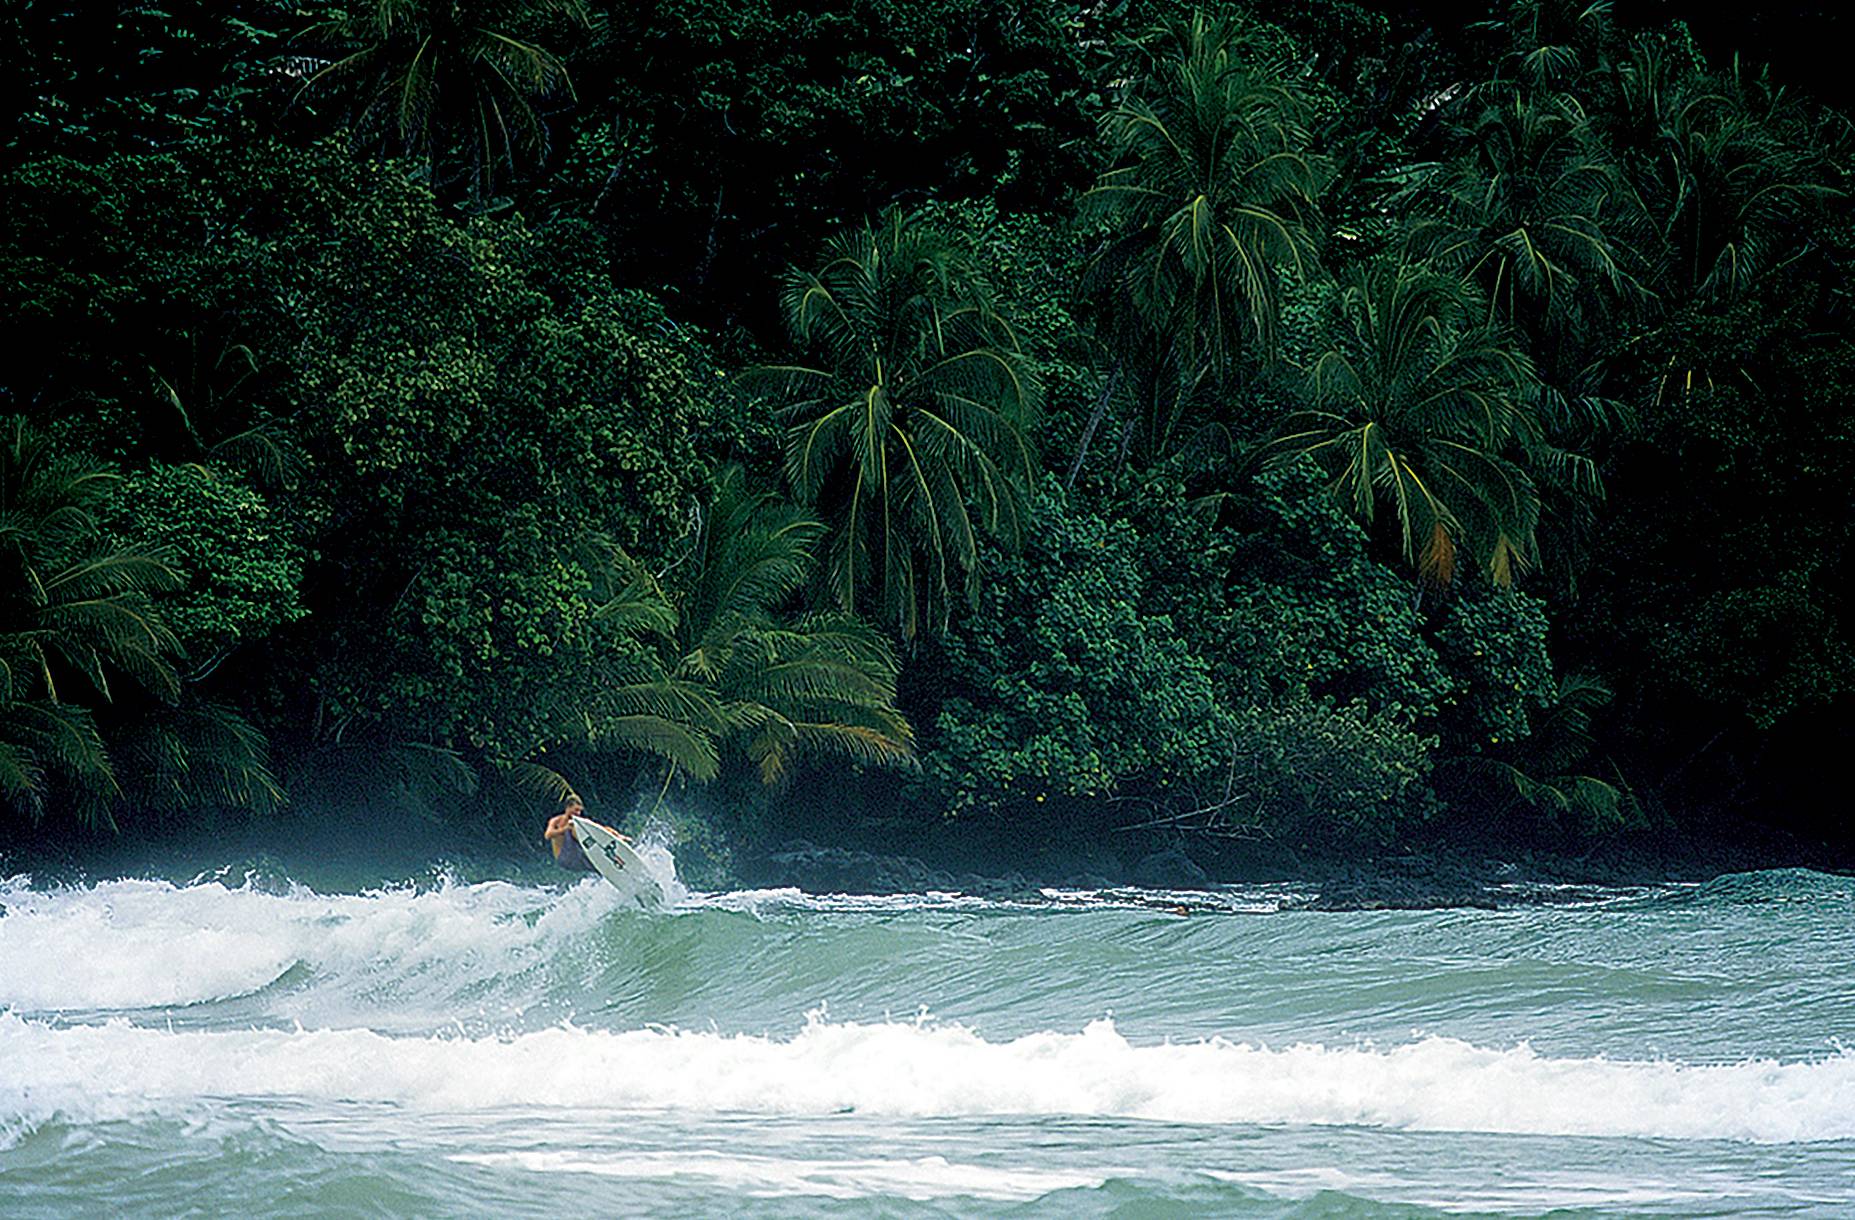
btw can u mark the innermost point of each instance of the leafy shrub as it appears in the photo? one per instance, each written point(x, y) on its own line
point(1315, 769)
point(1493, 642)
point(240, 564)
point(1057, 686)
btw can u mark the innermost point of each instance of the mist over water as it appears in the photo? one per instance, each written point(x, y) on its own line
point(441, 1046)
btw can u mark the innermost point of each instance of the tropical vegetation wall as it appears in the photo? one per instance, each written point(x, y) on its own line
point(1329, 427)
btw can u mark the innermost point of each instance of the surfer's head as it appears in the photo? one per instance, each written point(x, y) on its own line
point(573, 807)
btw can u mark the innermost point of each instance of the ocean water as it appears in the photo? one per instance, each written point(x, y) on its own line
point(242, 1043)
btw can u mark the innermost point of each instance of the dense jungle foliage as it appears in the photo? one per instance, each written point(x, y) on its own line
point(1330, 424)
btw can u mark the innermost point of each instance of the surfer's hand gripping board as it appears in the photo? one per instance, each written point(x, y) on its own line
point(612, 856)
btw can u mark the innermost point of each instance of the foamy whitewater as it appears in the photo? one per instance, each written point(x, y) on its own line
point(248, 1045)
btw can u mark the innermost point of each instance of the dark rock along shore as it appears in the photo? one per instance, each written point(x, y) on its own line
point(1412, 881)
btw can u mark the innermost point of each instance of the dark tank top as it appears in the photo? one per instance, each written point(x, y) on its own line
point(571, 857)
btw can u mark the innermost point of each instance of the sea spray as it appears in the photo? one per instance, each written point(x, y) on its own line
point(654, 848)
point(136, 944)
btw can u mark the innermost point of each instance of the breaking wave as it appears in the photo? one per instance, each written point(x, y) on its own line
point(924, 1069)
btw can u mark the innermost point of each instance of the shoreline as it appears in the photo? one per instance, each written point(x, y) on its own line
point(1418, 877)
point(1434, 874)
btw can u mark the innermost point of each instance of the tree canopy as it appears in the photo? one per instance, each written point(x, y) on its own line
point(1332, 426)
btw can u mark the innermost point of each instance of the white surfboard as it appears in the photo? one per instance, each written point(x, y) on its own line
point(618, 863)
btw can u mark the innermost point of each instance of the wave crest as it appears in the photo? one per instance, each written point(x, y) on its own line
point(924, 1069)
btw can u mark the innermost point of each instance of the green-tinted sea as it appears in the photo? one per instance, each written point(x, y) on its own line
point(244, 1042)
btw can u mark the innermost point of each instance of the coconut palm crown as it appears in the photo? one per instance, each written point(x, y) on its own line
point(1536, 212)
point(789, 686)
point(1209, 206)
point(905, 418)
point(456, 84)
point(1419, 405)
point(709, 661)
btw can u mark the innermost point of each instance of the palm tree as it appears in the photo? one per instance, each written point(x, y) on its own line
point(905, 425)
point(1543, 772)
point(1533, 205)
point(207, 385)
point(178, 758)
point(457, 84)
point(78, 608)
point(79, 618)
point(712, 663)
point(1726, 165)
point(1537, 214)
point(1209, 205)
point(1552, 44)
point(1733, 175)
point(1418, 401)
point(637, 702)
point(820, 684)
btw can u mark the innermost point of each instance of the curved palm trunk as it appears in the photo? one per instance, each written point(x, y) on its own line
point(1088, 431)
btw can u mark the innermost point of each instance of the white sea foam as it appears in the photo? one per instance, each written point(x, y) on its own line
point(921, 1070)
point(1262, 899)
point(1250, 900)
point(788, 898)
point(100, 948)
point(922, 1178)
point(137, 944)
point(653, 847)
point(150, 944)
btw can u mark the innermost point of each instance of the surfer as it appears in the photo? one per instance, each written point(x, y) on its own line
point(559, 836)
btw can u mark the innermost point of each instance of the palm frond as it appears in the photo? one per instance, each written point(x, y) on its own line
point(201, 754)
point(265, 450)
point(527, 775)
point(60, 746)
point(1416, 402)
point(901, 341)
point(1210, 204)
point(415, 777)
point(630, 601)
point(675, 742)
point(458, 86)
